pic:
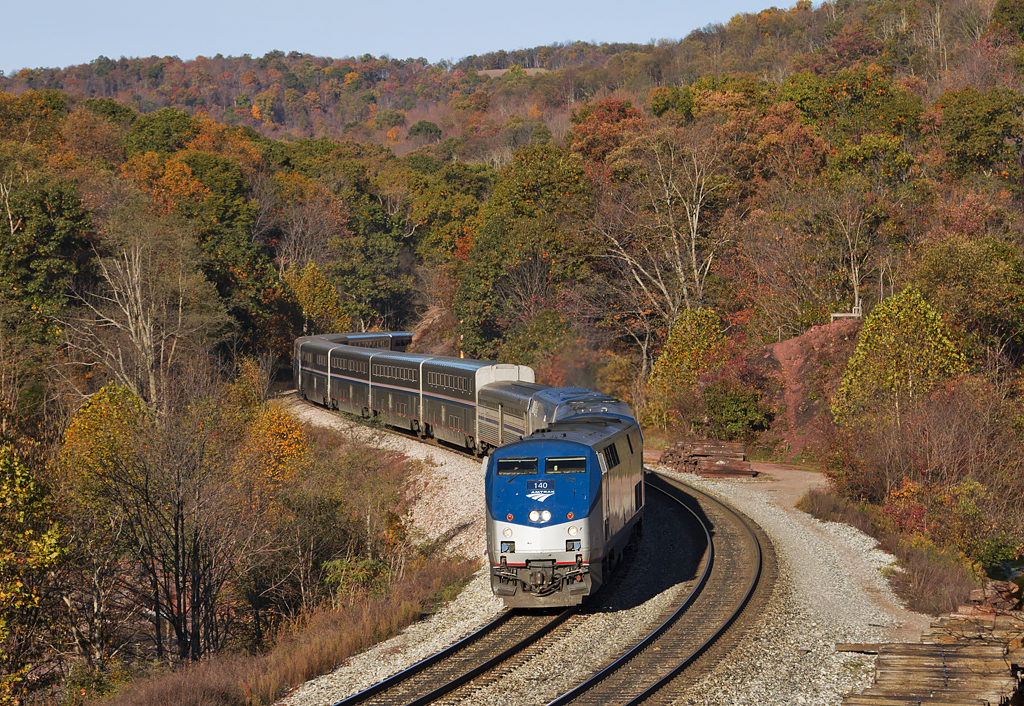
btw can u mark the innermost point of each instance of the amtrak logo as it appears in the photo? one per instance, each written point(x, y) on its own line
point(540, 495)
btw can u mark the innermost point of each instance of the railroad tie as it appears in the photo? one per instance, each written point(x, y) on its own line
point(945, 670)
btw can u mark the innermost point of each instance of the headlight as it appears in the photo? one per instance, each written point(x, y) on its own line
point(534, 516)
point(573, 531)
point(507, 532)
point(545, 515)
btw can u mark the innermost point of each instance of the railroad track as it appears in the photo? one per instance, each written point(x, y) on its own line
point(428, 681)
point(731, 572)
point(722, 584)
point(655, 669)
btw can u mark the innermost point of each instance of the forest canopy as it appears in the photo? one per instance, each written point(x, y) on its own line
point(637, 219)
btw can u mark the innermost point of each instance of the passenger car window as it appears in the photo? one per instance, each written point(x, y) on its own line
point(574, 464)
point(516, 466)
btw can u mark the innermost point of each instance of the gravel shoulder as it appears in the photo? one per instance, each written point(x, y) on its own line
point(830, 590)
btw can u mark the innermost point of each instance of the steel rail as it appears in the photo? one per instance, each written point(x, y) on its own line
point(675, 671)
point(597, 678)
point(422, 665)
point(494, 661)
point(619, 663)
point(398, 678)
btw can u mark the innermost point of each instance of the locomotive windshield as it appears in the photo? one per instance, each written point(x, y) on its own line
point(573, 464)
point(516, 466)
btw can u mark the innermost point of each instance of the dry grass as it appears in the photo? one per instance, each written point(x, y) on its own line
point(311, 645)
point(656, 439)
point(210, 683)
point(930, 580)
point(825, 505)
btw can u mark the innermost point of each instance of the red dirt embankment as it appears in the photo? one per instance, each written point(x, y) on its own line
point(809, 368)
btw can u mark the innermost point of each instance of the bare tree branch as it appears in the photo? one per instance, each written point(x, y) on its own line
point(662, 223)
point(152, 305)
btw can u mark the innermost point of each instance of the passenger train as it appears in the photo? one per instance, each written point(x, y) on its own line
point(563, 473)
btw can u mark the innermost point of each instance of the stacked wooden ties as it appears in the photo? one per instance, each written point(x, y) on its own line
point(970, 657)
point(708, 458)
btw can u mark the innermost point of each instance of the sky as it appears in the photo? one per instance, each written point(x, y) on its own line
point(60, 33)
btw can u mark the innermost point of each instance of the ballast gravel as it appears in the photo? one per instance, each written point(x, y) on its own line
point(830, 590)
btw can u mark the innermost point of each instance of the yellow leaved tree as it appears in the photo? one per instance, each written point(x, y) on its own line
point(272, 453)
point(29, 549)
point(321, 310)
point(194, 488)
point(905, 349)
point(695, 348)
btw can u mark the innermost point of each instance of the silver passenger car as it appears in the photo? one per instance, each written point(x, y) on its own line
point(431, 395)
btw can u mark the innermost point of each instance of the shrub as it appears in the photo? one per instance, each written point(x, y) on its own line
point(950, 469)
point(709, 388)
point(826, 505)
point(426, 129)
point(930, 579)
point(311, 644)
point(735, 411)
point(388, 118)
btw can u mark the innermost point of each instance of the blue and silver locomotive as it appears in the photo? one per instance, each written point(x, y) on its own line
point(564, 474)
point(563, 502)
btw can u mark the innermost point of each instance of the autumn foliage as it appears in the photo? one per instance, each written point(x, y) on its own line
point(637, 218)
point(694, 350)
point(904, 350)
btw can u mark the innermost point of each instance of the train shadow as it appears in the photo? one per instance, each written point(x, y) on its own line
point(668, 553)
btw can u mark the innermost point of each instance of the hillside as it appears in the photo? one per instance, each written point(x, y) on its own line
point(673, 224)
point(494, 102)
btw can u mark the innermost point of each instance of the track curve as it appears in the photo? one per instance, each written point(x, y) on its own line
point(732, 570)
point(431, 679)
point(643, 673)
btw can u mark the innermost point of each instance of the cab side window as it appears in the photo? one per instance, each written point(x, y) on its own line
point(611, 455)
